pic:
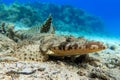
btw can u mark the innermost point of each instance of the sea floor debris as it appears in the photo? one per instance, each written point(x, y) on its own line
point(97, 66)
point(59, 70)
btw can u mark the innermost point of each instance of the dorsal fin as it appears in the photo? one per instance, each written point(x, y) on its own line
point(45, 28)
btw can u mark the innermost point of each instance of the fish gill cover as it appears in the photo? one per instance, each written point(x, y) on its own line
point(65, 17)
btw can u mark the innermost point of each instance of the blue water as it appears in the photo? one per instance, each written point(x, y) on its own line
point(107, 10)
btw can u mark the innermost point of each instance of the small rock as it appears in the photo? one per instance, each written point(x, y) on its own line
point(113, 47)
point(96, 64)
point(99, 73)
point(41, 69)
point(27, 70)
point(82, 72)
point(110, 66)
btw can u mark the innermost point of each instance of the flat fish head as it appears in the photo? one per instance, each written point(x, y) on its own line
point(76, 48)
point(92, 46)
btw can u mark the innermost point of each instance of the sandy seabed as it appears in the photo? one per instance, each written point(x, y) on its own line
point(105, 67)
